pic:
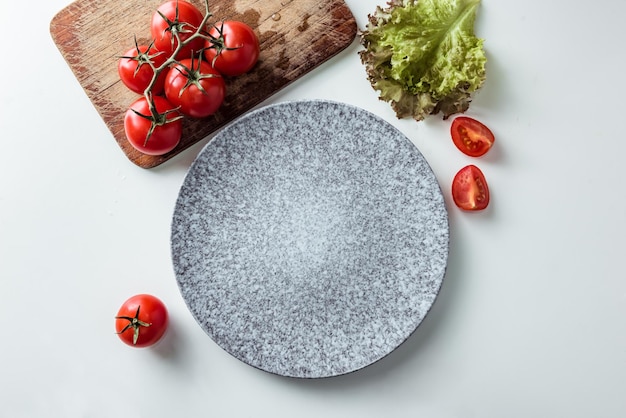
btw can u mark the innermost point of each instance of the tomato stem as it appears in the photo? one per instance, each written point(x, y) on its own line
point(135, 323)
point(155, 117)
point(219, 43)
point(193, 75)
point(143, 58)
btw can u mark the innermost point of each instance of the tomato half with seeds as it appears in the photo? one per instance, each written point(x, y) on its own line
point(135, 69)
point(153, 134)
point(469, 189)
point(175, 20)
point(141, 321)
point(195, 87)
point(233, 48)
point(471, 136)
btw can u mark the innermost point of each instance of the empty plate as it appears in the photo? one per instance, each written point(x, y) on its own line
point(310, 238)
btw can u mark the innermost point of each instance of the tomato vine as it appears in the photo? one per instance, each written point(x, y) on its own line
point(176, 39)
point(183, 46)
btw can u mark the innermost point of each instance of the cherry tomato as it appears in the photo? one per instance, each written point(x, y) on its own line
point(470, 136)
point(173, 18)
point(141, 321)
point(233, 48)
point(469, 189)
point(153, 134)
point(135, 71)
point(195, 87)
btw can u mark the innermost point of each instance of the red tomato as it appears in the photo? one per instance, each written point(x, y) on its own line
point(469, 189)
point(153, 134)
point(233, 48)
point(176, 18)
point(141, 321)
point(195, 87)
point(470, 136)
point(135, 71)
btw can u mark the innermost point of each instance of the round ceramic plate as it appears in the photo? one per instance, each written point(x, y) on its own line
point(310, 238)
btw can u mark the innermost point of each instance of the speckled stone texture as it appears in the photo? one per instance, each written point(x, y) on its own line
point(310, 239)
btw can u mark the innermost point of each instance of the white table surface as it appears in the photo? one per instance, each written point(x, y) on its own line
point(531, 319)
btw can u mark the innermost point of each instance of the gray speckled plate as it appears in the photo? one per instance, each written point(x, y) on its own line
point(310, 238)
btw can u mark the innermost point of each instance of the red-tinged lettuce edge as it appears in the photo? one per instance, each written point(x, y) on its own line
point(418, 99)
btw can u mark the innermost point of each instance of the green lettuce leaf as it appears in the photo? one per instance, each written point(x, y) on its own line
point(423, 57)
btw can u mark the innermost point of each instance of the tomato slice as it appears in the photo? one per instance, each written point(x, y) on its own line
point(469, 189)
point(471, 136)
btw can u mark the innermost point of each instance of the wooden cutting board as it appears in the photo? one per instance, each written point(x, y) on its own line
point(295, 36)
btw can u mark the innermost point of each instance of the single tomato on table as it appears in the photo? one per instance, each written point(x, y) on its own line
point(233, 48)
point(153, 134)
point(175, 21)
point(136, 68)
point(471, 136)
point(469, 189)
point(195, 87)
point(141, 321)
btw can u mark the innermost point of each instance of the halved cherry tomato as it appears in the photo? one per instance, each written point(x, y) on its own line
point(195, 87)
point(471, 136)
point(233, 48)
point(176, 18)
point(153, 134)
point(141, 321)
point(469, 189)
point(135, 71)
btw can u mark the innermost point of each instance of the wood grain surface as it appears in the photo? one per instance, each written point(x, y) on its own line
point(295, 36)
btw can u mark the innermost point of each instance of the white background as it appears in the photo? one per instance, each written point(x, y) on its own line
point(531, 319)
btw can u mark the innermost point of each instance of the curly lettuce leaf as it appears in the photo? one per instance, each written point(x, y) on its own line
point(423, 57)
